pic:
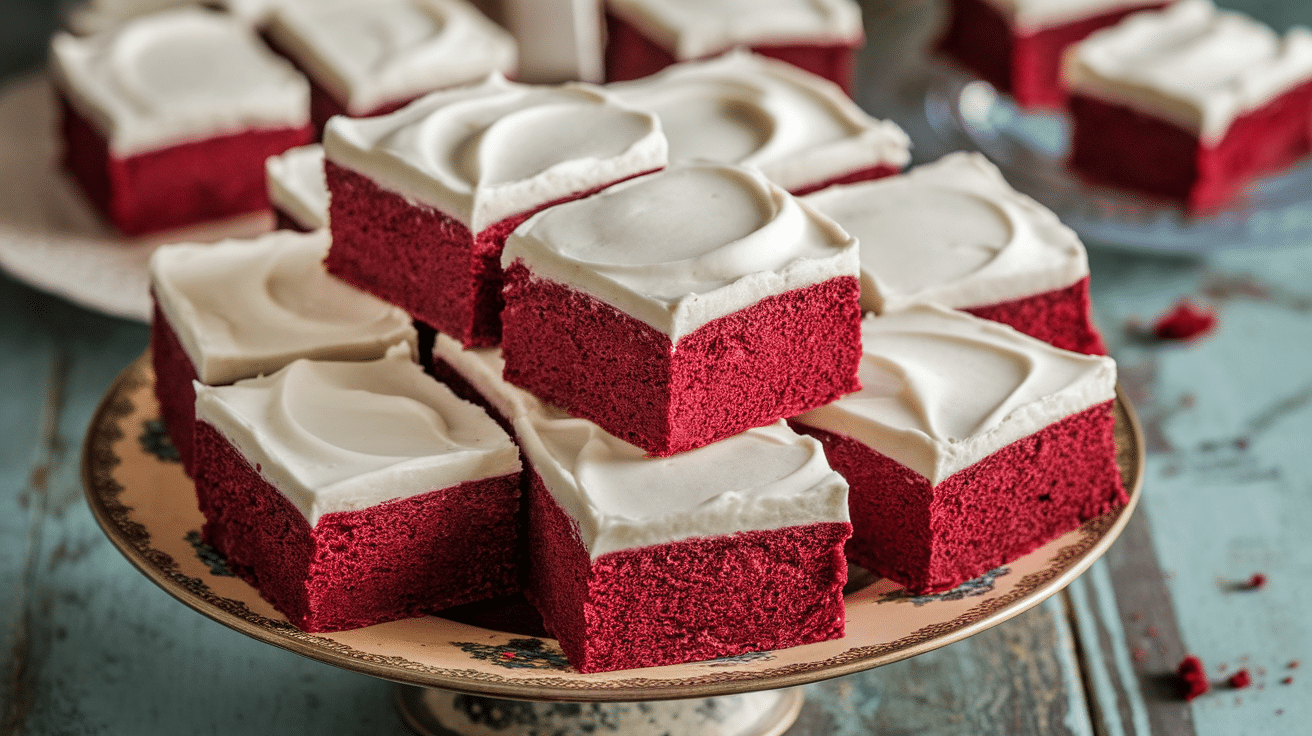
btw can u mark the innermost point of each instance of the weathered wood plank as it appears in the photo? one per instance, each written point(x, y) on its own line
point(1228, 476)
point(1020, 677)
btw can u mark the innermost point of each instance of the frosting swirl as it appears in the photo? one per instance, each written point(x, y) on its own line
point(368, 54)
point(765, 478)
point(942, 390)
point(487, 152)
point(746, 109)
point(177, 76)
point(243, 308)
point(682, 247)
point(998, 245)
point(343, 436)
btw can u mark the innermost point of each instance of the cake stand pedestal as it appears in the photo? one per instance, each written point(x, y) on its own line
point(488, 667)
point(433, 712)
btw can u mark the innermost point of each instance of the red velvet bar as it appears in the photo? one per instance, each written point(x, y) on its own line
point(1025, 65)
point(399, 559)
point(184, 184)
point(777, 358)
point(1114, 145)
point(933, 538)
point(684, 601)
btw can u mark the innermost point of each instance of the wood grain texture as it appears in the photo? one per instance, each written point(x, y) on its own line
point(1017, 678)
point(1228, 490)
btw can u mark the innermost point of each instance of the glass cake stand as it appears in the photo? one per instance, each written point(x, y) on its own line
point(474, 665)
point(946, 109)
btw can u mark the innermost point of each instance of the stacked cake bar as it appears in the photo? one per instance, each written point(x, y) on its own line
point(741, 108)
point(423, 199)
point(1190, 103)
point(968, 445)
point(682, 307)
point(954, 233)
point(351, 493)
point(645, 36)
point(368, 58)
point(1017, 45)
point(240, 309)
point(167, 120)
point(626, 551)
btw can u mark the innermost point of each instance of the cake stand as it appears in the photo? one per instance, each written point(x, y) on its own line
point(466, 671)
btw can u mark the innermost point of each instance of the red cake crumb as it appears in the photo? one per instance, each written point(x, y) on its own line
point(1193, 678)
point(1257, 581)
point(1240, 679)
point(1287, 681)
point(1293, 664)
point(1184, 322)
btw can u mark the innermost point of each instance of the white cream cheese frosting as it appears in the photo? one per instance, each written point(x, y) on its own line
point(942, 390)
point(765, 478)
point(1028, 16)
point(245, 308)
point(743, 108)
point(954, 233)
point(684, 246)
point(345, 436)
point(691, 29)
point(369, 54)
point(482, 369)
point(486, 152)
point(176, 77)
point(1190, 64)
point(296, 185)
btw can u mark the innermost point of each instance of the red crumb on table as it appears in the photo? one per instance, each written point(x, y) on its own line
point(1140, 655)
point(1287, 681)
point(1293, 664)
point(1184, 322)
point(1240, 679)
point(1193, 679)
point(1257, 581)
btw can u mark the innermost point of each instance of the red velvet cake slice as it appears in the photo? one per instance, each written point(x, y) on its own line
point(1017, 45)
point(955, 233)
point(239, 309)
point(167, 119)
point(682, 307)
point(371, 57)
point(820, 36)
point(641, 562)
point(422, 199)
point(1190, 103)
point(297, 189)
point(968, 446)
point(353, 493)
point(741, 108)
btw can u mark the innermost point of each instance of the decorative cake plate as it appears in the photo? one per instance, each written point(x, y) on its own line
point(147, 507)
point(51, 238)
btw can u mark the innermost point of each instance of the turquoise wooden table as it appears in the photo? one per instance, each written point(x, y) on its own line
point(90, 646)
